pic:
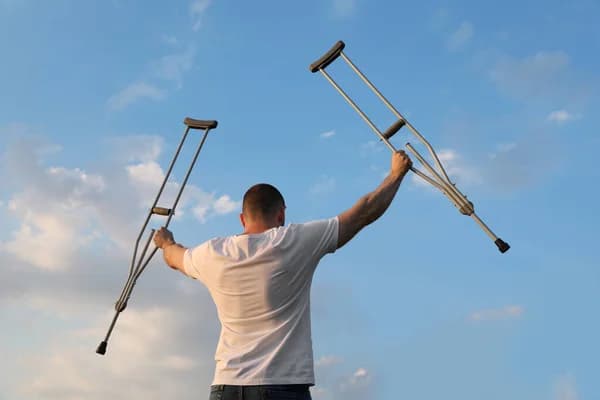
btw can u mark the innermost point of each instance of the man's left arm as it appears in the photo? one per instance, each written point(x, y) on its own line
point(172, 251)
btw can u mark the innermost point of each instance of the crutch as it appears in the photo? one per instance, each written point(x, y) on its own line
point(439, 178)
point(138, 262)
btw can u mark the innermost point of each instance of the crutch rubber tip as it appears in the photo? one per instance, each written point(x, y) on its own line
point(102, 348)
point(328, 58)
point(502, 245)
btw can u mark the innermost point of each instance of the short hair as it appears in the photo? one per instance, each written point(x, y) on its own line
point(262, 200)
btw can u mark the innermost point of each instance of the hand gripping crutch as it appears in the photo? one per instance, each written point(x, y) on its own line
point(138, 262)
point(439, 178)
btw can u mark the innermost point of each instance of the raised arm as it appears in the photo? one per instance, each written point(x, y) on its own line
point(373, 205)
point(172, 251)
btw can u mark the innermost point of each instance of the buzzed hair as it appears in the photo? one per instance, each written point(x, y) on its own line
point(262, 200)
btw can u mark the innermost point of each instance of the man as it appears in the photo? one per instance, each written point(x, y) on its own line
point(260, 282)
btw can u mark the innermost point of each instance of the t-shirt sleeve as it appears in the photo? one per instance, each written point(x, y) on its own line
point(320, 237)
point(194, 262)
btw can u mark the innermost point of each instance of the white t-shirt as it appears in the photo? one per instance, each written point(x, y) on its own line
point(260, 284)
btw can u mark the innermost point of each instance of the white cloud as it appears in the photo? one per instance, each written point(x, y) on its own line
point(133, 93)
point(135, 148)
point(147, 173)
point(141, 349)
point(565, 388)
point(197, 10)
point(561, 116)
point(459, 38)
point(225, 205)
point(61, 211)
point(327, 134)
point(325, 185)
point(344, 8)
point(327, 361)
point(172, 67)
point(357, 383)
point(494, 314)
point(53, 224)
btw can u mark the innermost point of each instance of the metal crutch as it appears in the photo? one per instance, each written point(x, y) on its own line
point(139, 263)
point(439, 178)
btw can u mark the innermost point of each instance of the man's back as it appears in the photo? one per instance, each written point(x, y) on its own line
point(260, 284)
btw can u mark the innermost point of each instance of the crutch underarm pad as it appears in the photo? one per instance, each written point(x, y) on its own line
point(502, 245)
point(328, 58)
point(200, 124)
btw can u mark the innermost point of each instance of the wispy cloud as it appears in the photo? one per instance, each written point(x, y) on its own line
point(325, 185)
point(327, 361)
point(172, 67)
point(327, 134)
point(494, 314)
point(344, 8)
point(371, 147)
point(455, 167)
point(565, 388)
point(562, 116)
point(197, 10)
point(460, 37)
point(170, 40)
point(536, 76)
point(133, 93)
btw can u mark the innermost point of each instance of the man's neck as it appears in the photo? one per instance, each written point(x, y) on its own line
point(258, 228)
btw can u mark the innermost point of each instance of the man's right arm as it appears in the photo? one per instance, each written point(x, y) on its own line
point(372, 206)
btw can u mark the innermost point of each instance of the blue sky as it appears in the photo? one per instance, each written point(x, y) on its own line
point(420, 305)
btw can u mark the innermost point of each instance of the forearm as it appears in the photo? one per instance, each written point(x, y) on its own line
point(173, 255)
point(374, 204)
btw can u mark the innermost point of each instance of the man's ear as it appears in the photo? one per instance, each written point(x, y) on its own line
point(242, 220)
point(281, 216)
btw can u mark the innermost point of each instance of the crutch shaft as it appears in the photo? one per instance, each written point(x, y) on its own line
point(138, 264)
point(391, 107)
point(102, 346)
point(448, 189)
point(358, 110)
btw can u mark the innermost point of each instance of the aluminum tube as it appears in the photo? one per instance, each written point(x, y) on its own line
point(427, 178)
point(162, 186)
point(133, 277)
point(187, 175)
point(358, 110)
point(484, 227)
point(458, 202)
point(397, 113)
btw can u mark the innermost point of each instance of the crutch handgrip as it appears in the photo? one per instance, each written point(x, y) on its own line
point(161, 211)
point(391, 131)
point(328, 58)
point(502, 245)
point(200, 124)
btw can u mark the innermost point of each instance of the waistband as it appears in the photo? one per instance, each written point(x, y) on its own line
point(300, 388)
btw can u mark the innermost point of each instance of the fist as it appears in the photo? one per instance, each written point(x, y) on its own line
point(401, 163)
point(163, 237)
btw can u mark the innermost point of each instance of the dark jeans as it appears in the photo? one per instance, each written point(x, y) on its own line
point(262, 392)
